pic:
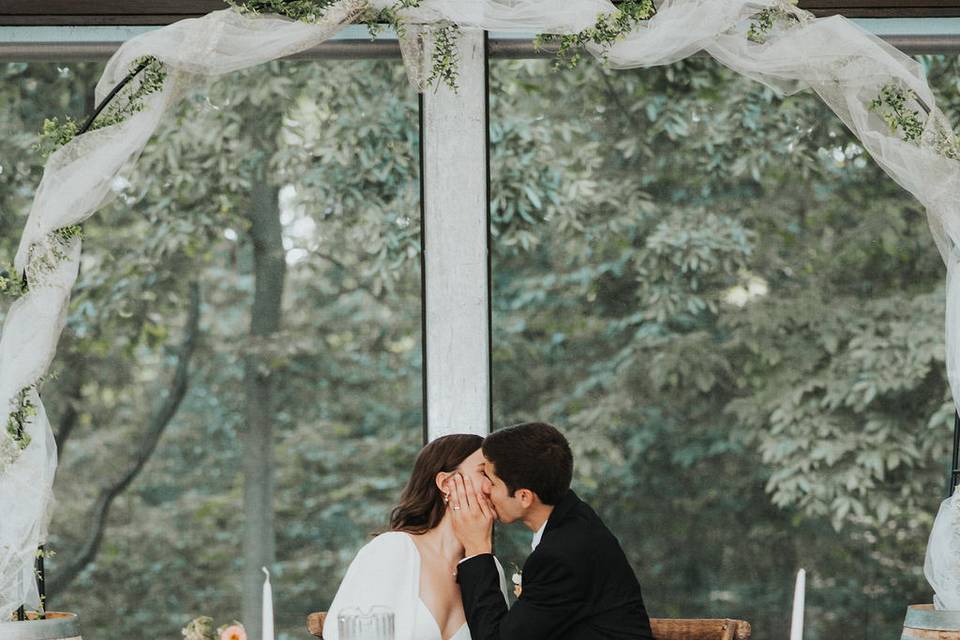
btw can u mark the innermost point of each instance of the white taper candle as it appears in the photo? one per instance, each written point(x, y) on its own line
point(267, 608)
point(796, 621)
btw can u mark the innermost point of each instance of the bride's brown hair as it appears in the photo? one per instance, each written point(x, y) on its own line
point(421, 503)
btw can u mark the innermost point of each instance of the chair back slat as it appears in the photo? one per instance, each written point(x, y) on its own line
point(315, 623)
point(663, 628)
point(699, 629)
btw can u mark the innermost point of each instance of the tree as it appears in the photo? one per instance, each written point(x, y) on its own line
point(729, 309)
point(756, 311)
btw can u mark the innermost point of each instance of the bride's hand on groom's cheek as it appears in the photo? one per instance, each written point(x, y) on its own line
point(472, 517)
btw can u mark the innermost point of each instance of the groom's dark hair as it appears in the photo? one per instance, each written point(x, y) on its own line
point(534, 456)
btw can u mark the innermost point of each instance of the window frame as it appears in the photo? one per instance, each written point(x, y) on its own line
point(454, 147)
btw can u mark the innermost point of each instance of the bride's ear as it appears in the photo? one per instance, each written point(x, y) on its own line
point(441, 481)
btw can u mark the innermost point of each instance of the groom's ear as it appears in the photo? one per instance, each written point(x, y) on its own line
point(526, 497)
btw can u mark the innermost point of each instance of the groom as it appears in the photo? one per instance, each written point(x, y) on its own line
point(577, 584)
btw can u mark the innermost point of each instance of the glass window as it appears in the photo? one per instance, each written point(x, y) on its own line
point(317, 165)
point(737, 319)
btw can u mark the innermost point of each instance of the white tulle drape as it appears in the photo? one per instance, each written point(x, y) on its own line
point(942, 565)
point(844, 64)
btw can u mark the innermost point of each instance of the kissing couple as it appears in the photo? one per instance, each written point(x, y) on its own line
point(435, 568)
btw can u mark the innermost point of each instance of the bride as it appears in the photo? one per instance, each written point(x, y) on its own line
point(412, 567)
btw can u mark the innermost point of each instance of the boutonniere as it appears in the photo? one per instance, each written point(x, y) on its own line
point(517, 580)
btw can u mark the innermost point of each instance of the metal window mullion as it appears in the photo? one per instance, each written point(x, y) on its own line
point(349, 49)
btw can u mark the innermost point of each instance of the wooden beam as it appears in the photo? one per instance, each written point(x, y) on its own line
point(103, 12)
point(883, 8)
point(158, 12)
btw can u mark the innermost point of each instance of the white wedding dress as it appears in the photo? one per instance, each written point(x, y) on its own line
point(386, 571)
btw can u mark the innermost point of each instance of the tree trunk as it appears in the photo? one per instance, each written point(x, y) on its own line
point(70, 416)
point(269, 273)
point(159, 420)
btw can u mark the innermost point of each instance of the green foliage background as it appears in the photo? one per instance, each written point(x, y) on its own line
point(726, 445)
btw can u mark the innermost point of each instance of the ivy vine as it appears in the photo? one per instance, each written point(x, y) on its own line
point(446, 56)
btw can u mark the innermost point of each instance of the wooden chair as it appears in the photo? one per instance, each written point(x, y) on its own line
point(699, 629)
point(315, 623)
point(663, 628)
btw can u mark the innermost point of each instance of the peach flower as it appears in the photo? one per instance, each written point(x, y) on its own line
point(233, 632)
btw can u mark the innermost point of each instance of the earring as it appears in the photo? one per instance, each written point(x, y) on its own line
point(446, 498)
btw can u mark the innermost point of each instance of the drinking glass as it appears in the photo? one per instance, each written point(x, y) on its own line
point(356, 624)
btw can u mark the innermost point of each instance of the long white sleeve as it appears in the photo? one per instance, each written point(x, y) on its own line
point(385, 572)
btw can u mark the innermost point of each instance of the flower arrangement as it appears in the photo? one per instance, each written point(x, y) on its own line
point(517, 580)
point(202, 629)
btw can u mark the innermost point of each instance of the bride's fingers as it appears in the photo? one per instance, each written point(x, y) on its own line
point(476, 496)
point(480, 500)
point(484, 506)
point(463, 499)
point(472, 494)
point(456, 499)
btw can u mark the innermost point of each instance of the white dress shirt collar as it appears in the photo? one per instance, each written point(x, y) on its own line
point(539, 534)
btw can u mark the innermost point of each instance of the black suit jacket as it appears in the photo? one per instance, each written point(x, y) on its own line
point(577, 585)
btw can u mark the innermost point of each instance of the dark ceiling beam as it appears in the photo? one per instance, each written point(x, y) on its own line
point(883, 8)
point(103, 12)
point(154, 12)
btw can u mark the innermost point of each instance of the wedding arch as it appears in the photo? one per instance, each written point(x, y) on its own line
point(878, 92)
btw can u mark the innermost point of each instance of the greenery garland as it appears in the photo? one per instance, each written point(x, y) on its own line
point(55, 134)
point(17, 439)
point(893, 106)
point(764, 22)
point(17, 421)
point(58, 241)
point(446, 56)
point(608, 28)
point(147, 75)
point(12, 285)
point(151, 74)
point(445, 59)
point(606, 31)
